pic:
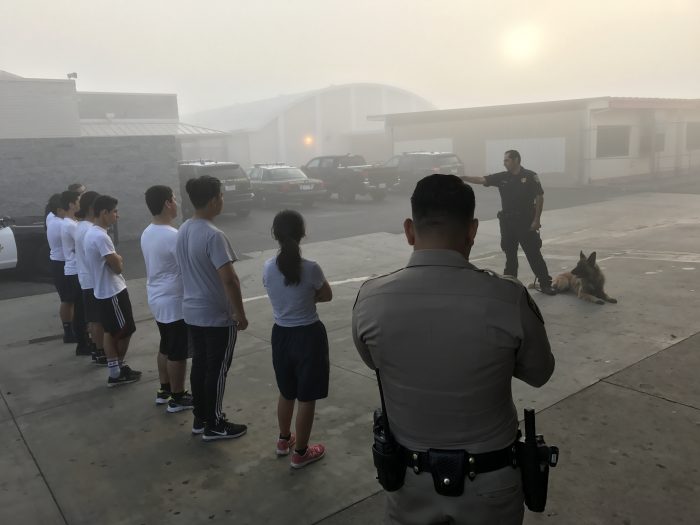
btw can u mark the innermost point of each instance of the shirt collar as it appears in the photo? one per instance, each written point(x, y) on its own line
point(439, 258)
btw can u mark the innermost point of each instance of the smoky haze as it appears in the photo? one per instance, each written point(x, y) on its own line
point(455, 54)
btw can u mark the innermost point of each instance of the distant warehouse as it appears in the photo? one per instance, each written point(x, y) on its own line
point(568, 142)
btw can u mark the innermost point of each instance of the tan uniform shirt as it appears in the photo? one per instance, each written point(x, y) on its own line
point(447, 338)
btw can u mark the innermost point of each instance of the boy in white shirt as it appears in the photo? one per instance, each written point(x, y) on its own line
point(69, 202)
point(92, 318)
point(111, 295)
point(165, 290)
point(57, 260)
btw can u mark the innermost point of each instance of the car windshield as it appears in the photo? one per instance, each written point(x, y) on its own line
point(286, 174)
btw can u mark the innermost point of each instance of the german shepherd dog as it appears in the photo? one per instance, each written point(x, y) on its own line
point(587, 280)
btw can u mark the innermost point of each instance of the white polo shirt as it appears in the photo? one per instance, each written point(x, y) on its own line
point(97, 245)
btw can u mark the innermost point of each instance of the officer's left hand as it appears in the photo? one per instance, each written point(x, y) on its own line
point(535, 225)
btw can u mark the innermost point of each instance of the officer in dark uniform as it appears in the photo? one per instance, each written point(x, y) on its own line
point(522, 201)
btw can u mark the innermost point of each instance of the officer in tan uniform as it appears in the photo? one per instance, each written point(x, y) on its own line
point(446, 339)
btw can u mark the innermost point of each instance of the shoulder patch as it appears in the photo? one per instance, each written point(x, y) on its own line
point(533, 306)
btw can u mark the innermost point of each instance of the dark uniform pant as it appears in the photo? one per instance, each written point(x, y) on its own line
point(493, 498)
point(516, 232)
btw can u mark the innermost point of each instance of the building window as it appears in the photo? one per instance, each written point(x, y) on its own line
point(613, 141)
point(692, 136)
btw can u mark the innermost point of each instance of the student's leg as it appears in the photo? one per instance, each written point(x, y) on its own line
point(304, 422)
point(220, 344)
point(198, 370)
point(285, 411)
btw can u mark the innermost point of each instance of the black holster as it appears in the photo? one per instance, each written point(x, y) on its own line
point(388, 456)
point(534, 460)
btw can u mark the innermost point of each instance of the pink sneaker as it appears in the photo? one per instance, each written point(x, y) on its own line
point(283, 445)
point(313, 453)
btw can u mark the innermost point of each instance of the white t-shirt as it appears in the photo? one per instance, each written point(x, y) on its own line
point(97, 245)
point(53, 235)
point(68, 227)
point(163, 277)
point(84, 275)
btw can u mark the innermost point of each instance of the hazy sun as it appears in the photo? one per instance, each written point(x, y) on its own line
point(522, 44)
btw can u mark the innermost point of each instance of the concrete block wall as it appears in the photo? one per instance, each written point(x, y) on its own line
point(124, 167)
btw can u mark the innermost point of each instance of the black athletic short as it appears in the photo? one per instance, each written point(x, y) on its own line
point(73, 291)
point(92, 309)
point(59, 280)
point(300, 360)
point(173, 340)
point(116, 316)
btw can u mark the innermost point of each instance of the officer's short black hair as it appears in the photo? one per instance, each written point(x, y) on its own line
point(203, 189)
point(156, 197)
point(68, 197)
point(513, 154)
point(442, 201)
point(104, 202)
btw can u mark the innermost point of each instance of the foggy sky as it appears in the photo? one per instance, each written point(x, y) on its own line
point(455, 53)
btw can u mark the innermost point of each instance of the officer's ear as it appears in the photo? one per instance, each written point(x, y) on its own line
point(473, 227)
point(409, 230)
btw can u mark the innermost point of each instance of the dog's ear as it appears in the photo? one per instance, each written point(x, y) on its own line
point(591, 258)
point(583, 257)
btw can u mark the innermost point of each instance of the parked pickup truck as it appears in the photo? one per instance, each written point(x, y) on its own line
point(349, 176)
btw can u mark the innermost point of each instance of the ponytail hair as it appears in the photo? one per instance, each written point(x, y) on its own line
point(288, 230)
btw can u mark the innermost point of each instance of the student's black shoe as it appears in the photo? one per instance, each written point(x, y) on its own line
point(101, 360)
point(224, 430)
point(128, 370)
point(180, 403)
point(198, 426)
point(124, 379)
point(83, 350)
point(162, 397)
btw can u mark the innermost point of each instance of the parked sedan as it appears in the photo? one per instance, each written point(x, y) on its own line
point(279, 183)
point(23, 246)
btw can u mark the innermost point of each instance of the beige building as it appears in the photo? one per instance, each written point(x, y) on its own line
point(567, 142)
point(294, 128)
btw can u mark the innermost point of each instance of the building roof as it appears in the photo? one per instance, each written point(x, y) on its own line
point(255, 115)
point(139, 127)
point(100, 105)
point(538, 107)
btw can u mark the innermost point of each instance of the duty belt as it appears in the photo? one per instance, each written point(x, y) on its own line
point(474, 463)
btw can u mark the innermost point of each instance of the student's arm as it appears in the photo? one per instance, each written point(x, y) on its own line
point(473, 180)
point(324, 294)
point(232, 287)
point(115, 262)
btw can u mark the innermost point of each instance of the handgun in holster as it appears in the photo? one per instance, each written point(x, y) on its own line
point(535, 458)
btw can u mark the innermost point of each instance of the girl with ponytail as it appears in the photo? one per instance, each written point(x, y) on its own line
point(299, 341)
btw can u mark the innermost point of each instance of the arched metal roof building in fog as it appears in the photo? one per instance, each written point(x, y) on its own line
point(294, 128)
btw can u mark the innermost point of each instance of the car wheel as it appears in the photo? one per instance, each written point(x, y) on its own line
point(346, 194)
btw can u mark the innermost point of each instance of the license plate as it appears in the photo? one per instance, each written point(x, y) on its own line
point(230, 187)
point(306, 187)
point(382, 185)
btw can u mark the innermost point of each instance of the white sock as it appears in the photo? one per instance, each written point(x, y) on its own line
point(113, 367)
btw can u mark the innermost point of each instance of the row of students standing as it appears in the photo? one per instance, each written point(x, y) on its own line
point(194, 293)
point(87, 272)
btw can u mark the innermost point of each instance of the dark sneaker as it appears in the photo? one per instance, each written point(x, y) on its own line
point(83, 350)
point(313, 453)
point(198, 426)
point(162, 397)
point(224, 430)
point(128, 370)
point(100, 359)
point(183, 402)
point(547, 289)
point(124, 379)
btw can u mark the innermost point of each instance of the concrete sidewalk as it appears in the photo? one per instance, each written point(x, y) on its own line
point(623, 405)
